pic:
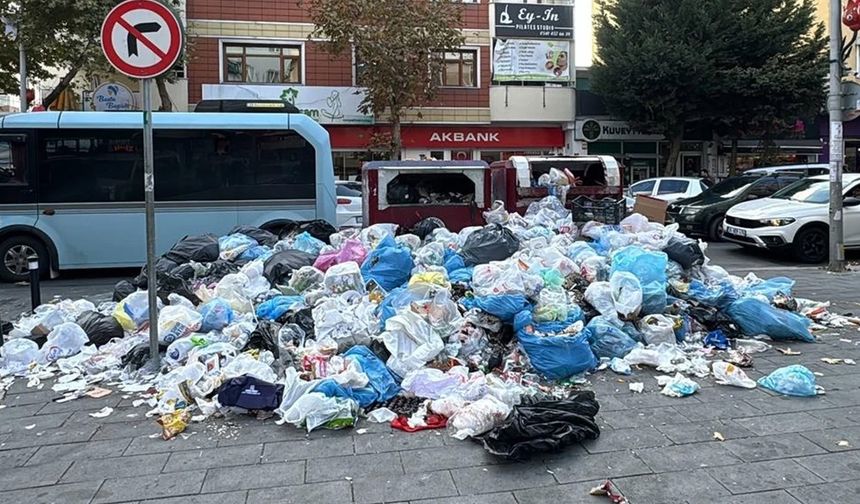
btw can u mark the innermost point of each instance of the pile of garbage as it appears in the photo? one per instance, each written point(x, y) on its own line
point(490, 332)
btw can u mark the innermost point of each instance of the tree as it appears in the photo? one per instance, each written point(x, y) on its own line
point(733, 66)
point(397, 42)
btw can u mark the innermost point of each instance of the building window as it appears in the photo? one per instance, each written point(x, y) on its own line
point(262, 64)
point(459, 69)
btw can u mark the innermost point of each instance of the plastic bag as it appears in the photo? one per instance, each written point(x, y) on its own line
point(231, 288)
point(344, 277)
point(372, 235)
point(389, 264)
point(432, 254)
point(553, 305)
point(432, 383)
point(382, 384)
point(177, 321)
point(256, 252)
point(308, 244)
point(685, 252)
point(279, 267)
point(244, 364)
point(100, 328)
point(232, 246)
point(64, 340)
point(657, 329)
point(215, 315)
point(719, 294)
point(554, 356)
point(757, 317)
point(276, 307)
point(716, 339)
point(411, 341)
point(478, 417)
point(198, 248)
point(794, 380)
point(599, 295)
point(314, 410)
point(306, 278)
point(497, 213)
point(647, 266)
point(607, 339)
point(729, 374)
point(770, 288)
point(18, 353)
point(677, 386)
point(133, 312)
point(504, 306)
point(626, 293)
point(351, 250)
point(425, 227)
point(347, 319)
point(294, 388)
point(492, 243)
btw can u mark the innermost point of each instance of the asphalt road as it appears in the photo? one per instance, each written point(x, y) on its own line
point(97, 285)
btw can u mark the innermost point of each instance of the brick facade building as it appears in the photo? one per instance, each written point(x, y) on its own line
point(260, 49)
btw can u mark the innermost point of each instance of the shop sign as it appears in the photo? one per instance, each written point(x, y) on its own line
point(326, 105)
point(531, 60)
point(112, 97)
point(592, 130)
point(541, 21)
point(481, 137)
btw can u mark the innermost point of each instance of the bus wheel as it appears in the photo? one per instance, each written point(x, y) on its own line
point(14, 252)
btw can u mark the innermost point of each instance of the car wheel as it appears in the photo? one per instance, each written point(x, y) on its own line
point(714, 228)
point(15, 251)
point(811, 245)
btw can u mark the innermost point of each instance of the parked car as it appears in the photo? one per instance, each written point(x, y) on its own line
point(796, 218)
point(349, 207)
point(703, 215)
point(805, 170)
point(669, 189)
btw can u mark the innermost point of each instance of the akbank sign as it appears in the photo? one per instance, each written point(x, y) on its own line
point(592, 130)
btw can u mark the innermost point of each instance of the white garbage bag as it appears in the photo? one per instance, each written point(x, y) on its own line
point(411, 341)
point(177, 321)
point(65, 340)
point(626, 293)
point(599, 295)
point(657, 329)
point(18, 353)
point(478, 417)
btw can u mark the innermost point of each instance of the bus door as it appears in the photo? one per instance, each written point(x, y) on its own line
point(17, 182)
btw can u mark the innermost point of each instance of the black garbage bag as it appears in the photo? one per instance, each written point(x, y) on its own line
point(197, 248)
point(280, 266)
point(99, 328)
point(122, 289)
point(492, 243)
point(250, 393)
point(163, 265)
point(402, 194)
point(684, 252)
point(264, 337)
point(171, 284)
point(319, 229)
point(288, 228)
point(183, 271)
point(262, 236)
point(302, 318)
point(544, 426)
point(426, 226)
point(712, 319)
point(137, 357)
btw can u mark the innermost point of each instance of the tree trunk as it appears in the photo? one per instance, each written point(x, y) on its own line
point(63, 84)
point(166, 102)
point(396, 140)
point(674, 152)
point(733, 161)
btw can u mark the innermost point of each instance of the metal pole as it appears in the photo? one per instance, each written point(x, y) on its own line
point(837, 146)
point(149, 193)
point(22, 68)
point(35, 291)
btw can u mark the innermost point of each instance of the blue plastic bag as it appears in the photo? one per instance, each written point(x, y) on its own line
point(462, 275)
point(504, 306)
point(718, 295)
point(389, 264)
point(217, 314)
point(771, 287)
point(755, 317)
point(682, 330)
point(307, 243)
point(232, 246)
point(555, 357)
point(382, 383)
point(256, 252)
point(794, 380)
point(647, 266)
point(574, 315)
point(453, 261)
point(607, 339)
point(331, 388)
point(717, 339)
point(400, 297)
point(274, 308)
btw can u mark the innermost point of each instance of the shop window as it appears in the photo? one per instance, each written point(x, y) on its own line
point(459, 69)
point(430, 189)
point(262, 64)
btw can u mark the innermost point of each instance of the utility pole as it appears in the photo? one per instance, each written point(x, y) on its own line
point(837, 146)
point(22, 68)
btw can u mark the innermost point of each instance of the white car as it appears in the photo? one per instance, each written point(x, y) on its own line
point(796, 218)
point(349, 204)
point(805, 170)
point(669, 189)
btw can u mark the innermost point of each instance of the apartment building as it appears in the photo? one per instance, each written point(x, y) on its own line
point(510, 89)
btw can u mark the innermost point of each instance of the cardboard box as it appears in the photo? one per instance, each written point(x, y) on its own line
point(652, 208)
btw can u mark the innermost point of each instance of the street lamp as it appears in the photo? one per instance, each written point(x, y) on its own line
point(11, 25)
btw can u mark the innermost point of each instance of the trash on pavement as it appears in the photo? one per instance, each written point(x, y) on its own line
point(794, 380)
point(677, 386)
point(729, 374)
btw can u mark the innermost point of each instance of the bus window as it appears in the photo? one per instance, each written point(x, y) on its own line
point(14, 179)
point(94, 166)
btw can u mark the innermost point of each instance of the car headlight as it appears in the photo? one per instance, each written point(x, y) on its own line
point(690, 210)
point(777, 222)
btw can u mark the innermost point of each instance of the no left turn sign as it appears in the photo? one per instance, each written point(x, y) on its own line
point(142, 38)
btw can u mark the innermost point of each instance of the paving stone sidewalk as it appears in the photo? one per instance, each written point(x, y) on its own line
point(656, 449)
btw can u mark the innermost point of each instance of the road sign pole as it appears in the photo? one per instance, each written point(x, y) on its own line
point(837, 146)
point(149, 195)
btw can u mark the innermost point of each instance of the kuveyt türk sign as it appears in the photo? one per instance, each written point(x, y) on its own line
point(541, 21)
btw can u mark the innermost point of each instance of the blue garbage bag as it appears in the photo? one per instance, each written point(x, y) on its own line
point(274, 308)
point(453, 261)
point(382, 383)
point(607, 339)
point(794, 380)
point(648, 266)
point(635, 334)
point(718, 295)
point(217, 314)
point(256, 252)
point(462, 275)
point(755, 317)
point(232, 246)
point(331, 388)
point(389, 264)
point(504, 306)
point(771, 287)
point(400, 297)
point(717, 339)
point(574, 315)
point(554, 356)
point(682, 330)
point(307, 243)
point(654, 298)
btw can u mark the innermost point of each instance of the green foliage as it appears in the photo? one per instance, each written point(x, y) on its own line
point(736, 66)
point(396, 41)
